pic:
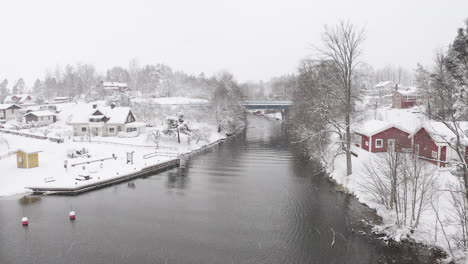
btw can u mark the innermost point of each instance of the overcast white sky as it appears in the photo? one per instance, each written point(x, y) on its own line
point(253, 39)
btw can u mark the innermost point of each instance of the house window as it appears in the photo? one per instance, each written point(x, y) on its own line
point(119, 129)
point(111, 130)
point(12, 111)
point(434, 154)
point(379, 143)
point(83, 129)
point(131, 129)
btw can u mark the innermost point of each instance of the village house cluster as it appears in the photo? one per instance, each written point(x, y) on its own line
point(430, 141)
point(400, 97)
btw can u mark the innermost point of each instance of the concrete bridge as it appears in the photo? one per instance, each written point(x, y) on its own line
point(280, 105)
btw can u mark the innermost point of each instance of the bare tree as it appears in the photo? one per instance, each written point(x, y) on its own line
point(154, 136)
point(343, 46)
point(402, 183)
point(45, 131)
point(202, 134)
point(450, 110)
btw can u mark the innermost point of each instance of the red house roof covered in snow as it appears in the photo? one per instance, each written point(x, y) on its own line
point(372, 127)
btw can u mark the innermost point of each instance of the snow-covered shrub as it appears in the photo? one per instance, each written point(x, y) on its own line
point(153, 136)
point(201, 134)
point(403, 183)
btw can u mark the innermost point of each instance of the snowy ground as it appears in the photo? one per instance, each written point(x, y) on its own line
point(410, 119)
point(427, 232)
point(52, 157)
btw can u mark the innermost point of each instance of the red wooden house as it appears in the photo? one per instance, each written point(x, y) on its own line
point(405, 98)
point(380, 136)
point(432, 143)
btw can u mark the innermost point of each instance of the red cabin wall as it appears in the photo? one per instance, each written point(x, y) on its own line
point(365, 142)
point(407, 104)
point(443, 155)
point(402, 140)
point(427, 145)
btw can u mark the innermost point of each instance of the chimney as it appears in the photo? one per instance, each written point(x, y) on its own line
point(94, 106)
point(112, 105)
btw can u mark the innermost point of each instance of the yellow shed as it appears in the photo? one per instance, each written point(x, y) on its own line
point(27, 158)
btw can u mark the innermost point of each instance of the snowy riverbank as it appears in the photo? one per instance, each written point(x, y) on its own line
point(52, 172)
point(429, 231)
point(107, 155)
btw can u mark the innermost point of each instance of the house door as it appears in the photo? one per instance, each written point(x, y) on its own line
point(391, 145)
point(94, 131)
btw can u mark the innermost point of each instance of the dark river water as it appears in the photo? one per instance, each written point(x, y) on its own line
point(251, 200)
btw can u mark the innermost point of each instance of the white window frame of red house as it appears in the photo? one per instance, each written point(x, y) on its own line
point(377, 145)
point(416, 149)
point(436, 154)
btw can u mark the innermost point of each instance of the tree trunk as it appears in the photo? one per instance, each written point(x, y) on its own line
point(465, 180)
point(349, 164)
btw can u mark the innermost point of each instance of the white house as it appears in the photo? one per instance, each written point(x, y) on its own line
point(9, 111)
point(105, 121)
point(41, 118)
point(20, 99)
point(385, 88)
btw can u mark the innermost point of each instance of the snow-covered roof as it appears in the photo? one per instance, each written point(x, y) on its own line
point(61, 98)
point(384, 83)
point(410, 90)
point(7, 106)
point(440, 133)
point(116, 115)
point(21, 98)
point(41, 113)
point(29, 150)
point(373, 127)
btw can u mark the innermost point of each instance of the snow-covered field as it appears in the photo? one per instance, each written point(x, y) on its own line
point(52, 156)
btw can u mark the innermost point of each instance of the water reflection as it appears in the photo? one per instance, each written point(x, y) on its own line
point(29, 199)
point(177, 179)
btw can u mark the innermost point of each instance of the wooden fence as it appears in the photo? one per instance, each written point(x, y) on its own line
point(24, 134)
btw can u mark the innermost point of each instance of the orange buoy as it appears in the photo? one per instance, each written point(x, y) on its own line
point(24, 221)
point(72, 215)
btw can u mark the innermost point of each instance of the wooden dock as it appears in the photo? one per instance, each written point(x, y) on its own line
point(146, 171)
point(150, 170)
